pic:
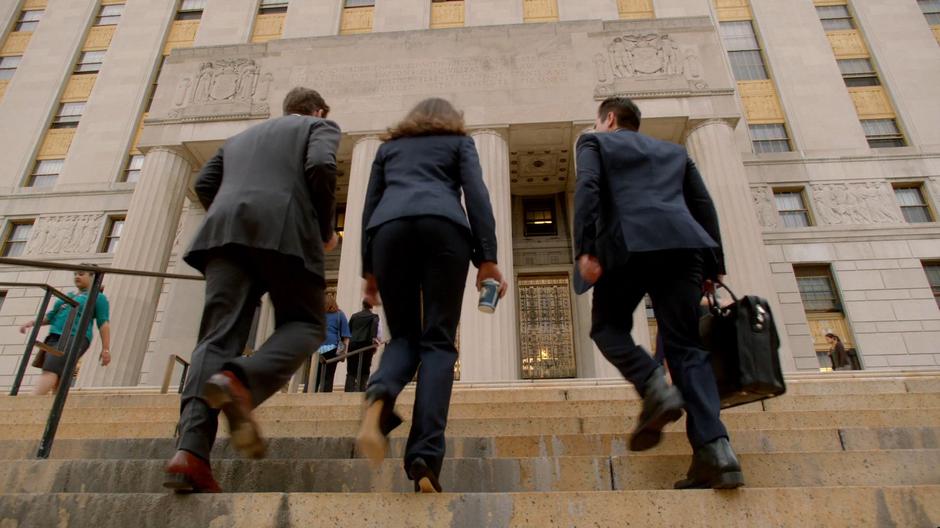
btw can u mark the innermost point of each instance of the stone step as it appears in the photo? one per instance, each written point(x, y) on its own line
point(810, 440)
point(775, 420)
point(571, 391)
point(497, 475)
point(559, 409)
point(881, 506)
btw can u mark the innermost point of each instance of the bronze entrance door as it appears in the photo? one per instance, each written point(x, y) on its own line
point(546, 335)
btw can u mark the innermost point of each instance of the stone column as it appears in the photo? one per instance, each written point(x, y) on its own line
point(349, 283)
point(489, 342)
point(711, 144)
point(178, 330)
point(149, 232)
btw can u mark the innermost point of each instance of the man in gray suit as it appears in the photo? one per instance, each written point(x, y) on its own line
point(269, 194)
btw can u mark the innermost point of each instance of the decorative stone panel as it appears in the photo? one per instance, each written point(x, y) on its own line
point(855, 203)
point(65, 234)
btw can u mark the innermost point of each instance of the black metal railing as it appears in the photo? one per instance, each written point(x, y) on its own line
point(72, 345)
point(323, 362)
point(170, 367)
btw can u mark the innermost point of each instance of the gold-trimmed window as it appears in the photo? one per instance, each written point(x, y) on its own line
point(270, 7)
point(90, 62)
point(68, 115)
point(835, 17)
point(546, 327)
point(447, 13)
point(29, 20)
point(539, 217)
point(17, 236)
point(858, 72)
point(339, 222)
point(357, 17)
point(539, 10)
point(190, 9)
point(109, 15)
point(913, 203)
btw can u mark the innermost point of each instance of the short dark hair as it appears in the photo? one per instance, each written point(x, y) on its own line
point(624, 109)
point(366, 305)
point(304, 101)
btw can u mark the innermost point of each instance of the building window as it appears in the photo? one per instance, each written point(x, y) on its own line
point(933, 277)
point(8, 66)
point(743, 50)
point(113, 236)
point(913, 205)
point(539, 217)
point(770, 138)
point(931, 9)
point(3, 297)
point(190, 9)
point(69, 115)
point(817, 289)
point(153, 85)
point(14, 244)
point(135, 164)
point(835, 18)
point(359, 3)
point(792, 208)
point(45, 173)
point(882, 133)
point(339, 223)
point(269, 7)
point(28, 20)
point(109, 15)
point(90, 62)
point(858, 72)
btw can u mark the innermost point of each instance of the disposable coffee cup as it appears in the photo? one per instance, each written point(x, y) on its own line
point(489, 296)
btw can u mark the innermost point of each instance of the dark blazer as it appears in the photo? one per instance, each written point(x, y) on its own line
point(635, 193)
point(424, 176)
point(271, 187)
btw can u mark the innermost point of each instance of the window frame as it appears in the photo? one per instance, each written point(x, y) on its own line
point(924, 205)
point(276, 7)
point(536, 204)
point(758, 145)
point(897, 139)
point(805, 212)
point(105, 20)
point(831, 23)
point(85, 67)
point(818, 271)
point(128, 169)
point(933, 17)
point(108, 236)
point(934, 287)
point(340, 227)
point(31, 181)
point(190, 13)
point(12, 70)
point(22, 22)
point(741, 69)
point(6, 246)
point(855, 79)
point(70, 120)
point(358, 3)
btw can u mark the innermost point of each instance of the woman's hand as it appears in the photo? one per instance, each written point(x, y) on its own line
point(370, 290)
point(105, 357)
point(489, 270)
point(25, 328)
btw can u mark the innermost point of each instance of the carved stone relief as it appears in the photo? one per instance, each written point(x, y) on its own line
point(223, 88)
point(765, 207)
point(65, 234)
point(855, 203)
point(630, 62)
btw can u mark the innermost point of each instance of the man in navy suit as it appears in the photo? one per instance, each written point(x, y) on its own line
point(644, 223)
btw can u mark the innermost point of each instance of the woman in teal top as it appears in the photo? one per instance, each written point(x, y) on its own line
point(56, 319)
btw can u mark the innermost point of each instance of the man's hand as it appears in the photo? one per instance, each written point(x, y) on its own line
point(105, 357)
point(25, 328)
point(489, 270)
point(370, 290)
point(590, 268)
point(331, 245)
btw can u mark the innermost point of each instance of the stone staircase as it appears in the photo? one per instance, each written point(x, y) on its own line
point(842, 450)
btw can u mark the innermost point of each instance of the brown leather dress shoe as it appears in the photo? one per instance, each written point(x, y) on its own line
point(187, 473)
point(226, 392)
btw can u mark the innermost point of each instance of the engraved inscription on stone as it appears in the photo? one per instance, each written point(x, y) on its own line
point(856, 203)
point(435, 75)
point(765, 207)
point(223, 88)
point(649, 62)
point(66, 234)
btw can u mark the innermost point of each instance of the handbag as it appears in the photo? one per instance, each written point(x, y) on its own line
point(744, 346)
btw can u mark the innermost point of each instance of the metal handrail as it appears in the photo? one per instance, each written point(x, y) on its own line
point(323, 361)
point(73, 345)
point(40, 317)
point(170, 365)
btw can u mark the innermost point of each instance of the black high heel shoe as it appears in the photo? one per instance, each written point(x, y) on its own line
point(425, 480)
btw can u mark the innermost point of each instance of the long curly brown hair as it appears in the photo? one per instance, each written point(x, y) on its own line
point(431, 117)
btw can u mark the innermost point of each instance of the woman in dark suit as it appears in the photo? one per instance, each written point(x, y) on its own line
point(417, 244)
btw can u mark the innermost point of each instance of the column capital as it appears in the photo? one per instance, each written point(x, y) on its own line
point(501, 131)
point(697, 124)
point(176, 150)
point(366, 137)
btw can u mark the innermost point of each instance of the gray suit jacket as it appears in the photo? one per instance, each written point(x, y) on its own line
point(271, 187)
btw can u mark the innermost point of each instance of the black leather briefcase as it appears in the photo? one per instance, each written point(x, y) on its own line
point(744, 345)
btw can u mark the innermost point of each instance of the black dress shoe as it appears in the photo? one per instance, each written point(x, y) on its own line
point(662, 405)
point(425, 480)
point(714, 465)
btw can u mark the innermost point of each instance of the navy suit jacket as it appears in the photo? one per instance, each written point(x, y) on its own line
point(271, 187)
point(424, 176)
point(635, 193)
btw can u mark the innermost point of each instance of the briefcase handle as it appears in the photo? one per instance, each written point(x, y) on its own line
point(713, 305)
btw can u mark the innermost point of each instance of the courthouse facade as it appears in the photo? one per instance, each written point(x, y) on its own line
point(816, 125)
